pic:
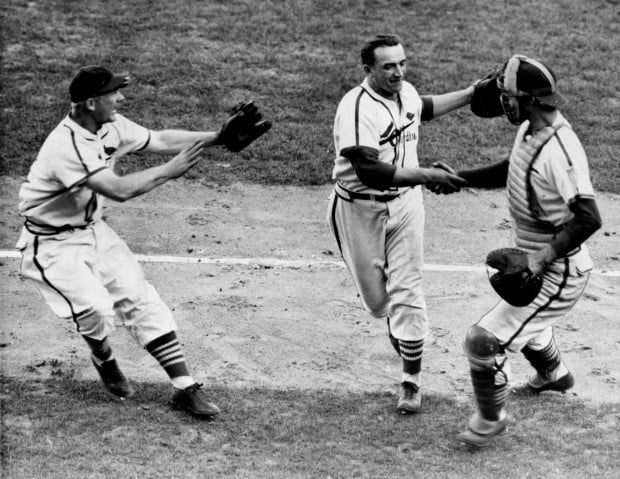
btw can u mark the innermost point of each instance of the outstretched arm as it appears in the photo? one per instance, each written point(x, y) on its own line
point(493, 176)
point(447, 102)
point(123, 188)
point(171, 142)
point(378, 175)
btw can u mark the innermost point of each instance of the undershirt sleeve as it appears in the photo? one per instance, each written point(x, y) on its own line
point(428, 112)
point(493, 176)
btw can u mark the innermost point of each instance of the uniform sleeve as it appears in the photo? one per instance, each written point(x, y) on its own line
point(428, 111)
point(355, 123)
point(133, 137)
point(569, 172)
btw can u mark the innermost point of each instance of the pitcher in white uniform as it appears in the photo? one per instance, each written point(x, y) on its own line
point(553, 210)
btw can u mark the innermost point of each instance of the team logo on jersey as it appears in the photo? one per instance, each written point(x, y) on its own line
point(393, 135)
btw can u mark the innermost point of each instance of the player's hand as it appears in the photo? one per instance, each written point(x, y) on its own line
point(185, 160)
point(444, 166)
point(443, 180)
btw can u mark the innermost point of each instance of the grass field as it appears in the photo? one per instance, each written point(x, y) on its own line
point(191, 61)
point(290, 434)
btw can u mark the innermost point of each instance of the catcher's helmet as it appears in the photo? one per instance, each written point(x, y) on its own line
point(524, 76)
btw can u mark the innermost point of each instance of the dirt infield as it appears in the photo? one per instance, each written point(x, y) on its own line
point(301, 326)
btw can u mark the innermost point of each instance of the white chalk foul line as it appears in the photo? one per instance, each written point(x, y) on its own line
point(285, 263)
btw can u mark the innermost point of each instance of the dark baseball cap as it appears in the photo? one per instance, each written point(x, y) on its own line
point(95, 80)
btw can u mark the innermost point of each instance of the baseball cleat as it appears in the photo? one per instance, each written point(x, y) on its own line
point(480, 432)
point(194, 400)
point(476, 439)
point(535, 385)
point(113, 379)
point(410, 399)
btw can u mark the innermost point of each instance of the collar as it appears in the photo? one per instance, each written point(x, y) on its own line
point(366, 86)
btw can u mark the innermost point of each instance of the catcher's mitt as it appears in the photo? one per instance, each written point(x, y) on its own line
point(244, 125)
point(513, 281)
point(485, 101)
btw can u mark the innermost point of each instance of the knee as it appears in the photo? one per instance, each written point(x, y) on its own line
point(376, 307)
point(95, 324)
point(480, 343)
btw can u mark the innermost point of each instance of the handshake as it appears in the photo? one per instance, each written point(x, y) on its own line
point(443, 180)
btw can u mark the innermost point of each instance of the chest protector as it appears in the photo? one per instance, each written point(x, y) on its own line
point(530, 232)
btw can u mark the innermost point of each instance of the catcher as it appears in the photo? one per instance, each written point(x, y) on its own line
point(83, 270)
point(553, 210)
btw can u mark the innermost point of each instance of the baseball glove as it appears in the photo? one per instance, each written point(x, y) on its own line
point(513, 281)
point(244, 125)
point(485, 101)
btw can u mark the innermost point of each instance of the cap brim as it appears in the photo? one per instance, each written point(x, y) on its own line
point(120, 80)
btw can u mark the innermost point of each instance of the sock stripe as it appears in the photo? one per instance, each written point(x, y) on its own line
point(167, 351)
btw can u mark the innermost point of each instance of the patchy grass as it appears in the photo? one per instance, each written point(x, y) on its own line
point(62, 428)
point(192, 60)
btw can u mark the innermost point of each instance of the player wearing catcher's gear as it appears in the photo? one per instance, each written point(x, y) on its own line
point(551, 202)
point(376, 212)
point(83, 270)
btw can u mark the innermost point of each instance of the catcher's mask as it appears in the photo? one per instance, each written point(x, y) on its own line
point(527, 80)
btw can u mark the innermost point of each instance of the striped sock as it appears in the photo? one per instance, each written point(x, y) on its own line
point(167, 351)
point(545, 360)
point(411, 354)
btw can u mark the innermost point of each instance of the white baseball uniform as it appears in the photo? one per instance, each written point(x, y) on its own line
point(380, 233)
point(83, 270)
point(558, 173)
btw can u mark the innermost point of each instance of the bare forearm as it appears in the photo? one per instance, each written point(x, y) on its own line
point(139, 183)
point(123, 188)
point(168, 142)
point(448, 102)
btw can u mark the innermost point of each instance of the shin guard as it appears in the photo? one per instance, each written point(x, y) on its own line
point(489, 372)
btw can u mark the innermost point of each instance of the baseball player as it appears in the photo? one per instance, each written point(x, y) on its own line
point(83, 270)
point(376, 212)
point(553, 210)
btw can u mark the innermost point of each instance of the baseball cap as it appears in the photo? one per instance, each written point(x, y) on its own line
point(95, 80)
point(525, 76)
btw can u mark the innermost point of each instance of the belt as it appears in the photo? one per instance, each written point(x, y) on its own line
point(48, 230)
point(352, 195)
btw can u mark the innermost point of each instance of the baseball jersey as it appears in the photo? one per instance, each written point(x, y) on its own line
point(54, 196)
point(558, 174)
point(365, 118)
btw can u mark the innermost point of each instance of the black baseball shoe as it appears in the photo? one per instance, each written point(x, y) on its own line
point(113, 379)
point(536, 385)
point(410, 399)
point(194, 400)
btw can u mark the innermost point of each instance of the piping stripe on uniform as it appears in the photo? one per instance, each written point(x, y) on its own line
point(47, 281)
point(547, 305)
point(395, 160)
point(357, 116)
point(570, 163)
point(146, 143)
point(334, 225)
point(77, 152)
